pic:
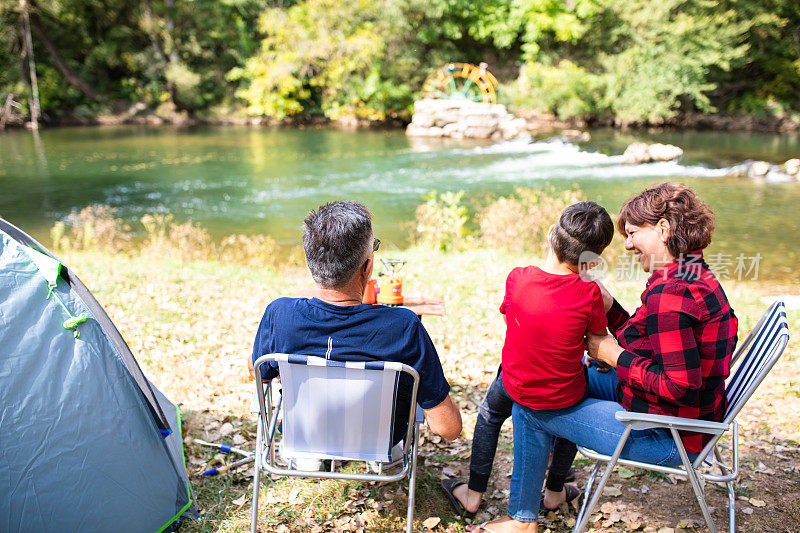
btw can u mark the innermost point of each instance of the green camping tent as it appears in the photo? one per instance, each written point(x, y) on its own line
point(87, 443)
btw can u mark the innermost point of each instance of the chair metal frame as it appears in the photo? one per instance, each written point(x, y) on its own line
point(756, 358)
point(265, 441)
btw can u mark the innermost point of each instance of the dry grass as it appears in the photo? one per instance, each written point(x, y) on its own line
point(95, 228)
point(190, 324)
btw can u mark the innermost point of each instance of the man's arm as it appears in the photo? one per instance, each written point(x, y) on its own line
point(444, 419)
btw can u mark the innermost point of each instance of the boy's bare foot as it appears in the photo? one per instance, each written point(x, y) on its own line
point(470, 499)
point(552, 500)
point(506, 524)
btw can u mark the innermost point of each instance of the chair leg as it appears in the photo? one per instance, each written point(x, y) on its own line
point(257, 476)
point(587, 491)
point(692, 475)
point(412, 480)
point(731, 493)
point(731, 507)
point(580, 526)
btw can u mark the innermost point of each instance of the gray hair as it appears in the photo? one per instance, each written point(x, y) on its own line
point(336, 238)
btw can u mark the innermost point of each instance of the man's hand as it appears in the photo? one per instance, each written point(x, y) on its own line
point(250, 367)
point(603, 348)
point(444, 419)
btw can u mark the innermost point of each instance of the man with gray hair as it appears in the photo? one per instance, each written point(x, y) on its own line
point(339, 248)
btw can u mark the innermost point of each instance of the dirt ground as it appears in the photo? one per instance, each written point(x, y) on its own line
point(767, 492)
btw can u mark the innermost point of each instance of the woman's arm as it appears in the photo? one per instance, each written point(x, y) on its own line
point(673, 373)
point(616, 315)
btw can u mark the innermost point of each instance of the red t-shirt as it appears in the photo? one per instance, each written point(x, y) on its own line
point(547, 317)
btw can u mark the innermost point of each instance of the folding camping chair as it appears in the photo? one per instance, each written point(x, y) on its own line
point(337, 411)
point(756, 357)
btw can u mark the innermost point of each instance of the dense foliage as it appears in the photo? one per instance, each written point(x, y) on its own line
point(634, 61)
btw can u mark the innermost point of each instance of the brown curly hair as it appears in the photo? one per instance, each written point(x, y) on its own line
point(691, 222)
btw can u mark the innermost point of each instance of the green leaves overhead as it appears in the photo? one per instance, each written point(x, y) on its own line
point(634, 61)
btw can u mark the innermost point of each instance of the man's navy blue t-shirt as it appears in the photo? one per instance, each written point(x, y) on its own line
point(357, 333)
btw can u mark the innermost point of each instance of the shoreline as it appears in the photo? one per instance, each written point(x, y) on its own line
point(536, 122)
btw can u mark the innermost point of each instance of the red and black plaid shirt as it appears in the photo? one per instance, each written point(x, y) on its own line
point(678, 346)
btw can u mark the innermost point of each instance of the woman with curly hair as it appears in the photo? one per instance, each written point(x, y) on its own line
point(670, 357)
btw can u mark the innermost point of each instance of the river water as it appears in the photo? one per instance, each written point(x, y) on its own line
point(243, 180)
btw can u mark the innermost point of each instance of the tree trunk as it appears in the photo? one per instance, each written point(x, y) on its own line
point(151, 31)
point(69, 75)
point(33, 97)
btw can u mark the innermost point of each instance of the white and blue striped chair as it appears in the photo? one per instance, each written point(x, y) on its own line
point(337, 411)
point(755, 356)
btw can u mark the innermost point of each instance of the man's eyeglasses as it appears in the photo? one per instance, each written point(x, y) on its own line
point(376, 243)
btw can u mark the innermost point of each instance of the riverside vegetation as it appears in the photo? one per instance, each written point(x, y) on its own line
point(589, 60)
point(189, 309)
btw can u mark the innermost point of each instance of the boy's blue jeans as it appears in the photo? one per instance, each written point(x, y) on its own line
point(589, 423)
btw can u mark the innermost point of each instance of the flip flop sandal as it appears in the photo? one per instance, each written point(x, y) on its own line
point(482, 527)
point(448, 485)
point(572, 493)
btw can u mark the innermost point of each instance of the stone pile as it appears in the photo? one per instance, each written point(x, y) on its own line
point(639, 152)
point(462, 119)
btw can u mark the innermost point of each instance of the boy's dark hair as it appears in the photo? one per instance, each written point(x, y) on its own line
point(583, 227)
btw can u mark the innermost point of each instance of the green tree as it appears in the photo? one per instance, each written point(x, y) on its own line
point(321, 54)
point(670, 53)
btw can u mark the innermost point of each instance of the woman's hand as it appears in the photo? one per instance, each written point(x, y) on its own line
point(608, 300)
point(603, 348)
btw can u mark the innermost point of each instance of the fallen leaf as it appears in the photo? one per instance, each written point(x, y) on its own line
point(450, 470)
point(293, 494)
point(685, 523)
point(747, 510)
point(226, 429)
point(608, 507)
point(757, 503)
point(625, 473)
point(612, 491)
point(431, 522)
point(239, 502)
point(633, 520)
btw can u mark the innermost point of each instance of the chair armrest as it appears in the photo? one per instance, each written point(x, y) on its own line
point(648, 421)
point(419, 415)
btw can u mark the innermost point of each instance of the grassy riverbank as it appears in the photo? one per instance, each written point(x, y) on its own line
point(190, 323)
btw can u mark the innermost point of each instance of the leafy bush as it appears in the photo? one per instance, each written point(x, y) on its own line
point(315, 50)
point(567, 90)
point(96, 228)
point(189, 241)
point(93, 227)
point(255, 251)
point(519, 222)
point(440, 222)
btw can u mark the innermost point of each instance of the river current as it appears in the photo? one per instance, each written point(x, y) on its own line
point(242, 180)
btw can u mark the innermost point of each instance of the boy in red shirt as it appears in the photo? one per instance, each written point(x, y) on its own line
point(548, 311)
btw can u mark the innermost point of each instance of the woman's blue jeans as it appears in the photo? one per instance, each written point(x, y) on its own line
point(589, 423)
